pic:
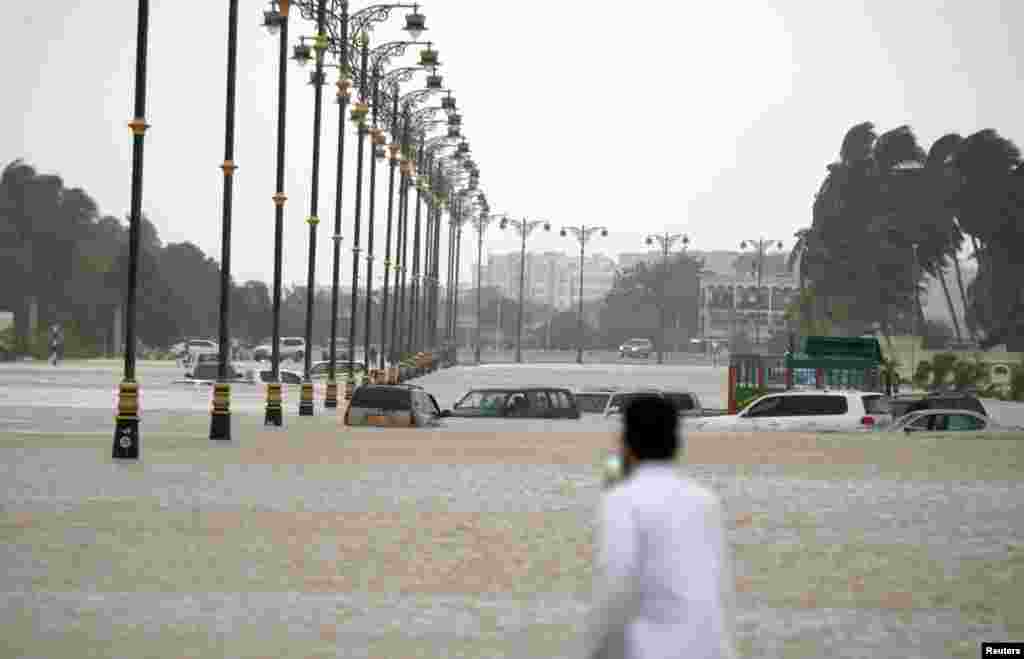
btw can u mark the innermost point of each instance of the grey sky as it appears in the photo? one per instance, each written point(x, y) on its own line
point(713, 118)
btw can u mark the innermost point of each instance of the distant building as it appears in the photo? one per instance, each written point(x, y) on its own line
point(551, 278)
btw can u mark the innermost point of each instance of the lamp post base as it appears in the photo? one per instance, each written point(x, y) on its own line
point(126, 426)
point(220, 419)
point(306, 399)
point(331, 398)
point(273, 416)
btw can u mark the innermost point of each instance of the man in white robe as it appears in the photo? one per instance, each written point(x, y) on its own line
point(663, 586)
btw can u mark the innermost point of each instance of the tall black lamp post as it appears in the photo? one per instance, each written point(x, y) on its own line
point(481, 223)
point(276, 20)
point(220, 419)
point(666, 241)
point(759, 246)
point(582, 234)
point(126, 428)
point(316, 79)
point(524, 228)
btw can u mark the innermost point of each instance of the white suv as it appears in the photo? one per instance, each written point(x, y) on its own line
point(804, 411)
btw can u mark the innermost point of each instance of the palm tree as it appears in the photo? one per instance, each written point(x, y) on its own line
point(988, 211)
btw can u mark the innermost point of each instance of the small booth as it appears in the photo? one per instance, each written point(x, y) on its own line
point(823, 362)
point(836, 363)
point(751, 374)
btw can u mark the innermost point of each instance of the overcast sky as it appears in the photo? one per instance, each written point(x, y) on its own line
point(711, 118)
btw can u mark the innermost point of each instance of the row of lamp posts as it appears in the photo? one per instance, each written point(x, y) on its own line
point(408, 324)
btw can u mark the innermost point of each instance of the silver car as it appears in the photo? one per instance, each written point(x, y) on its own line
point(948, 421)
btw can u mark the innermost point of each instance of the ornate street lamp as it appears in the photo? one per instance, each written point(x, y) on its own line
point(759, 247)
point(276, 21)
point(220, 419)
point(126, 428)
point(320, 44)
point(583, 234)
point(339, 28)
point(481, 223)
point(524, 228)
point(666, 241)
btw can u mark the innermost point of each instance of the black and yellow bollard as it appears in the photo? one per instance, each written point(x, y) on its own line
point(331, 400)
point(126, 428)
point(220, 420)
point(306, 399)
point(273, 416)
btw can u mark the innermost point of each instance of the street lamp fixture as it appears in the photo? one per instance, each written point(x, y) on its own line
point(435, 81)
point(665, 241)
point(273, 19)
point(760, 246)
point(582, 234)
point(525, 228)
point(429, 58)
point(448, 103)
point(302, 53)
point(415, 23)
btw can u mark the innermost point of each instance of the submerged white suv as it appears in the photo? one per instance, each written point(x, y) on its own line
point(804, 411)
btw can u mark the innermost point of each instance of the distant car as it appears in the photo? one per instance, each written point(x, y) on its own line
point(900, 406)
point(951, 420)
point(400, 405)
point(640, 348)
point(522, 403)
point(290, 347)
point(185, 350)
point(804, 411)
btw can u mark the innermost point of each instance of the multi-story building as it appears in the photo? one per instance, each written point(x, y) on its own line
point(731, 302)
point(551, 278)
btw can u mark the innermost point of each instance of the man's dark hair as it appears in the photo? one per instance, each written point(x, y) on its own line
point(651, 428)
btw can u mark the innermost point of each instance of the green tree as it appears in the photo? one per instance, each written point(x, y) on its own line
point(634, 306)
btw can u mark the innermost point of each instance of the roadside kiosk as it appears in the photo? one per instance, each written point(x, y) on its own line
point(823, 362)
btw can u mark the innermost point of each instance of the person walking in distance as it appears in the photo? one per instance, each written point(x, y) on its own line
point(56, 343)
point(663, 585)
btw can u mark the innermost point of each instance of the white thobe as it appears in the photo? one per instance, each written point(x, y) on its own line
point(663, 585)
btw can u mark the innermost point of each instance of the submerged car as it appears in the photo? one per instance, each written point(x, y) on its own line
point(593, 401)
point(208, 371)
point(804, 411)
point(620, 400)
point(953, 420)
point(392, 406)
point(900, 406)
point(518, 403)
